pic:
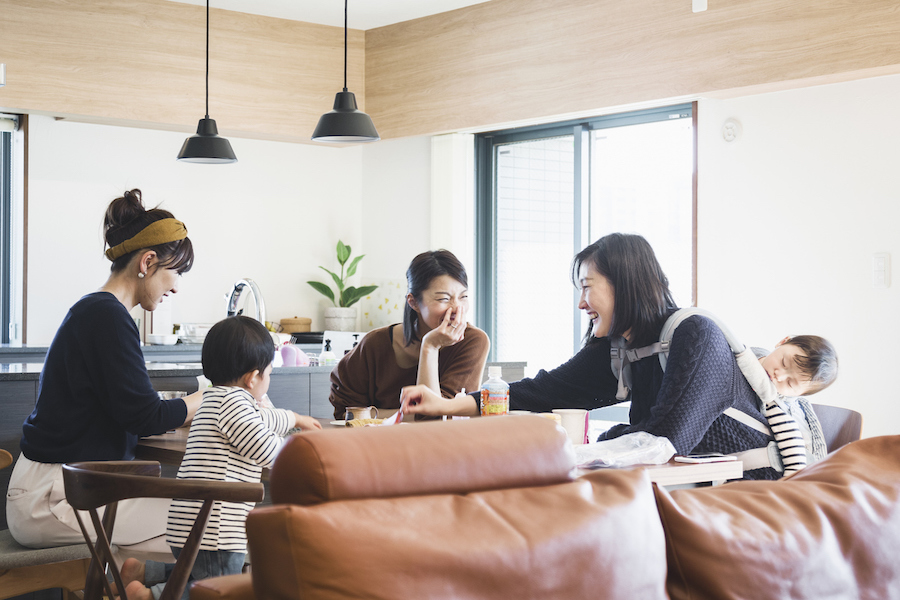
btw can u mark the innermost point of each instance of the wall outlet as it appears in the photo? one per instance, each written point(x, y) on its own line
point(881, 270)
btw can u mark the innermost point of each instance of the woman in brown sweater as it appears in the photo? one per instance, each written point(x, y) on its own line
point(434, 346)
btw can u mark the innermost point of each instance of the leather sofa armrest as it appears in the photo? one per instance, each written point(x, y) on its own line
point(227, 587)
point(455, 457)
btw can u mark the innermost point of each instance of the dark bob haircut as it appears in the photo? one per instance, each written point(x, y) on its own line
point(642, 300)
point(234, 347)
point(125, 217)
point(422, 270)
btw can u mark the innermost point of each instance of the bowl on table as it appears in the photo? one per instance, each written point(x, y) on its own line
point(193, 333)
point(162, 339)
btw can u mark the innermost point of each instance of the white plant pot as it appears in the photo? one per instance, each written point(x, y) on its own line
point(340, 318)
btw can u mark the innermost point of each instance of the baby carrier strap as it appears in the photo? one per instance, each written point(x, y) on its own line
point(785, 429)
point(781, 425)
point(621, 357)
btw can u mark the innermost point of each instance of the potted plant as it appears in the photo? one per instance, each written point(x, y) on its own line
point(342, 317)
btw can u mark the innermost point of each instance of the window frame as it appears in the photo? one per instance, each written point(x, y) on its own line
point(13, 157)
point(486, 145)
point(5, 234)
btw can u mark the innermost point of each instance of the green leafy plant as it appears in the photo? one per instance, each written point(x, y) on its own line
point(347, 296)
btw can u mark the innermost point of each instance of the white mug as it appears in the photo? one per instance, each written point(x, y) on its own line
point(360, 412)
point(575, 422)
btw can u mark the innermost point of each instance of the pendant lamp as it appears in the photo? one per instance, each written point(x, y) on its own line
point(207, 146)
point(346, 123)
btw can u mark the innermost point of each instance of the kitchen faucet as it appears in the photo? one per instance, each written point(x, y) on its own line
point(239, 287)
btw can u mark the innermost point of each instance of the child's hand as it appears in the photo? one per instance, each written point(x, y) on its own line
point(306, 423)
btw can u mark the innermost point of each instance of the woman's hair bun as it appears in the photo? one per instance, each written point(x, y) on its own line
point(122, 211)
point(126, 217)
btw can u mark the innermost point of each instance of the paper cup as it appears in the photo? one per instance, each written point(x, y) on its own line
point(575, 422)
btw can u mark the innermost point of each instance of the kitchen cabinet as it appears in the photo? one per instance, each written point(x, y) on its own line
point(17, 401)
point(178, 353)
point(303, 390)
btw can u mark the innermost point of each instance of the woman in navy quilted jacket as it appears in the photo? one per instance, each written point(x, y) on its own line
point(627, 299)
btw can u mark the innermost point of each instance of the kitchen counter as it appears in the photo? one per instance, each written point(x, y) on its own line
point(176, 353)
point(30, 371)
point(22, 353)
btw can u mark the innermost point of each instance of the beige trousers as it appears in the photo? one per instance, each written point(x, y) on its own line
point(40, 517)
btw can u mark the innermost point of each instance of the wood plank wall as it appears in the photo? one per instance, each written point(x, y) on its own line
point(141, 62)
point(508, 60)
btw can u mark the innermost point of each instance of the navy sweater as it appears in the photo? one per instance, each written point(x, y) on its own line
point(95, 397)
point(684, 404)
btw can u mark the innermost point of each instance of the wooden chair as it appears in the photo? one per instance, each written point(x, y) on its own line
point(90, 485)
point(25, 570)
point(840, 425)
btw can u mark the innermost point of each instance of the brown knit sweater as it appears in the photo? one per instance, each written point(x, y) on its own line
point(369, 374)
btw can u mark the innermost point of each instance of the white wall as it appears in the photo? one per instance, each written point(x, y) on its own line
point(789, 216)
point(273, 216)
point(395, 204)
point(395, 215)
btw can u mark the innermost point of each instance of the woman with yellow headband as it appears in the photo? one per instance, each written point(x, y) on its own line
point(95, 397)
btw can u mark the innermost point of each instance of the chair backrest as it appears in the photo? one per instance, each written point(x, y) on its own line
point(840, 425)
point(90, 485)
point(95, 484)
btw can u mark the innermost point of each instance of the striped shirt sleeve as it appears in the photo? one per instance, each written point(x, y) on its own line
point(242, 423)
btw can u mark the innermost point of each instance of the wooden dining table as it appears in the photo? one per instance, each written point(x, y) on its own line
point(168, 449)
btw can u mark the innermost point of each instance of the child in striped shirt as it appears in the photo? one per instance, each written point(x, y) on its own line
point(232, 438)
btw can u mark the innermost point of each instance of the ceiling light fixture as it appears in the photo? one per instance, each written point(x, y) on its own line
point(207, 147)
point(346, 123)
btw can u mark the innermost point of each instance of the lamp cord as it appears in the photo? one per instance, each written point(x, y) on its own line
point(207, 59)
point(345, 45)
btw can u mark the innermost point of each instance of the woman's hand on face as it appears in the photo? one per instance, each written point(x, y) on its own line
point(451, 330)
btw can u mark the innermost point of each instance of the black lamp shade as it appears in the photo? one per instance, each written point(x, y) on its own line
point(346, 123)
point(207, 146)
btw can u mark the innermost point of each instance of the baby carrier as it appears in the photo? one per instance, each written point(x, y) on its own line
point(787, 452)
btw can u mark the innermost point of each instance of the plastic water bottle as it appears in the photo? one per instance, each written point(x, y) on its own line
point(494, 394)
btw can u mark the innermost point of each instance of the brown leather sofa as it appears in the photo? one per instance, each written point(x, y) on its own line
point(491, 508)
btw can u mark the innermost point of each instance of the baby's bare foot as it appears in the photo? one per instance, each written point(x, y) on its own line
point(132, 570)
point(136, 591)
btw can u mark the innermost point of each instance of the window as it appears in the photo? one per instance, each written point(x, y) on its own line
point(11, 229)
point(543, 193)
